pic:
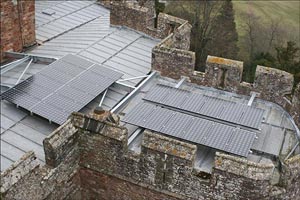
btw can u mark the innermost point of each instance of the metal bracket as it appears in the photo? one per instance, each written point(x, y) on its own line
point(24, 71)
point(10, 66)
point(253, 95)
point(117, 108)
point(102, 99)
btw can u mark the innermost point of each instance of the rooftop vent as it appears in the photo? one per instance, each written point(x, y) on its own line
point(49, 12)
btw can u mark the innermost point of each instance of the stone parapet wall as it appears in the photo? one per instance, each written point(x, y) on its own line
point(17, 171)
point(165, 165)
point(166, 60)
point(59, 144)
point(17, 25)
point(295, 108)
point(273, 84)
point(244, 168)
point(241, 179)
point(223, 73)
point(172, 57)
point(36, 182)
point(59, 180)
point(132, 15)
point(140, 15)
point(97, 164)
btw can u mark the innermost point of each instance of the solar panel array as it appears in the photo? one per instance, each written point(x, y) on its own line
point(194, 129)
point(212, 107)
point(63, 87)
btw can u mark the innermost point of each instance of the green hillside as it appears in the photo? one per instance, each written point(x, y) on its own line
point(287, 12)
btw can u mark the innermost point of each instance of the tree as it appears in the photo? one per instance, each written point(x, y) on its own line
point(210, 34)
point(288, 57)
point(225, 37)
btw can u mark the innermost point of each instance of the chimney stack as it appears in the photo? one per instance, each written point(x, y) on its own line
point(17, 25)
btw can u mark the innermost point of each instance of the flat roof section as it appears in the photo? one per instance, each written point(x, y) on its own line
point(54, 18)
point(194, 129)
point(204, 105)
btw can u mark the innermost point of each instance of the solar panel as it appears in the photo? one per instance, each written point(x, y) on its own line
point(208, 106)
point(63, 87)
point(194, 129)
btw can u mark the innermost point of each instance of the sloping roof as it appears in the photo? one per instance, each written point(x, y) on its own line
point(56, 17)
point(76, 27)
point(63, 87)
point(20, 133)
point(119, 48)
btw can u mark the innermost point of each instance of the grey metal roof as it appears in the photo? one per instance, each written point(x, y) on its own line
point(201, 131)
point(20, 133)
point(89, 36)
point(61, 88)
point(118, 48)
point(54, 18)
point(204, 105)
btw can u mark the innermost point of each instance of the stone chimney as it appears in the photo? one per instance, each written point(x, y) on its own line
point(100, 114)
point(17, 25)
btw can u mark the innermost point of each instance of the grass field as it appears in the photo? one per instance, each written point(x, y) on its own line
point(287, 12)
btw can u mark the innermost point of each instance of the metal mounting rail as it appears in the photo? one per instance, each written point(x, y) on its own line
point(102, 99)
point(253, 95)
point(36, 58)
point(180, 82)
point(117, 108)
point(133, 78)
point(10, 66)
point(20, 77)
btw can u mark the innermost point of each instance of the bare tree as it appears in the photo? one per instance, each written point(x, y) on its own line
point(202, 15)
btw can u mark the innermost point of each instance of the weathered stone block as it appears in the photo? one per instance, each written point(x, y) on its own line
point(295, 110)
point(273, 84)
point(172, 62)
point(58, 144)
point(17, 171)
point(223, 73)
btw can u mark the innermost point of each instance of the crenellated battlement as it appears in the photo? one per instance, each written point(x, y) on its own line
point(88, 157)
point(98, 151)
point(221, 73)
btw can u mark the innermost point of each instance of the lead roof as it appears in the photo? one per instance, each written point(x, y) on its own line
point(77, 27)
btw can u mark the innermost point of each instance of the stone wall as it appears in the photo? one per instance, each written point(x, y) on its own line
point(271, 84)
point(88, 158)
point(291, 178)
point(223, 73)
point(17, 25)
point(138, 16)
point(96, 185)
point(295, 108)
point(26, 179)
point(171, 57)
point(241, 179)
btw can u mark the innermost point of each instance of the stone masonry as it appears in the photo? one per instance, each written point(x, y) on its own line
point(88, 158)
point(172, 58)
point(17, 25)
point(295, 109)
